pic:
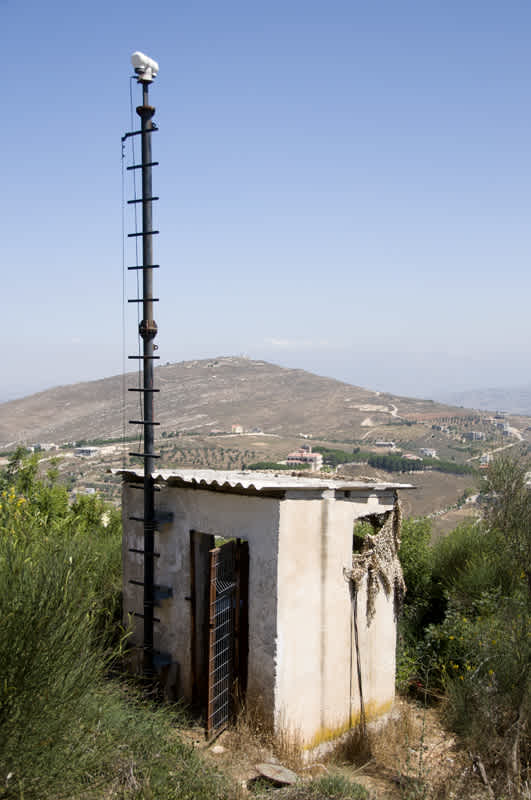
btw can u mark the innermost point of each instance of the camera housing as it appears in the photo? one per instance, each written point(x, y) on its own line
point(145, 67)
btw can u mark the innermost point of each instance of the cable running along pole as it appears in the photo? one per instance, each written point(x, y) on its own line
point(146, 70)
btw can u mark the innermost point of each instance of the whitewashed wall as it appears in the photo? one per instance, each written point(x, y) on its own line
point(302, 659)
point(316, 691)
point(252, 518)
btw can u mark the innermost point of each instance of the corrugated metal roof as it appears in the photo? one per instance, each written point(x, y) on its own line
point(258, 481)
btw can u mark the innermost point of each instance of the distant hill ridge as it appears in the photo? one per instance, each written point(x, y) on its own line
point(514, 400)
point(212, 394)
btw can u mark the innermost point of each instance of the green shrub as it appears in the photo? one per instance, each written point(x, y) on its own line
point(466, 629)
point(66, 729)
point(416, 558)
point(329, 787)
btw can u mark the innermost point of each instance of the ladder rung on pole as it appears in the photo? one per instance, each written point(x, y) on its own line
point(141, 300)
point(142, 200)
point(143, 552)
point(139, 166)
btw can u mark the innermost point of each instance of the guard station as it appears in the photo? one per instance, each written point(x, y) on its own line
point(262, 593)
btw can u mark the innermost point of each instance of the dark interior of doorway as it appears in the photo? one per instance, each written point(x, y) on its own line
point(220, 627)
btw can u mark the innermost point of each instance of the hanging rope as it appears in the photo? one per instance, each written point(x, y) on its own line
point(363, 715)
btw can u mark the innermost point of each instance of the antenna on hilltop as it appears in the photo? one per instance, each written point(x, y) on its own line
point(146, 70)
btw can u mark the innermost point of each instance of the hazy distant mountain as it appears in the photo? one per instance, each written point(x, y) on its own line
point(213, 394)
point(514, 400)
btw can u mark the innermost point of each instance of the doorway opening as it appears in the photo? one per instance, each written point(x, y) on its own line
point(220, 626)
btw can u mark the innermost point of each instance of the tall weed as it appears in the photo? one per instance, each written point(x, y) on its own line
point(66, 729)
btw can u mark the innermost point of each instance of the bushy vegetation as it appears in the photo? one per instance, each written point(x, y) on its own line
point(67, 728)
point(332, 457)
point(466, 630)
point(391, 462)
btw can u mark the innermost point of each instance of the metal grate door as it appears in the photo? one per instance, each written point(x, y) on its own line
point(222, 624)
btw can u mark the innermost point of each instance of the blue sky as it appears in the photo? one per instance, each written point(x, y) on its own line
point(345, 187)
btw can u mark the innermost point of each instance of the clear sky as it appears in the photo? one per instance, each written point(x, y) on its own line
point(345, 187)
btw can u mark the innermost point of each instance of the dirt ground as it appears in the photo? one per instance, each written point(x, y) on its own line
point(432, 491)
point(410, 756)
point(443, 524)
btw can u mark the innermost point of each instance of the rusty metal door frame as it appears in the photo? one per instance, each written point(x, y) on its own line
point(219, 622)
point(222, 629)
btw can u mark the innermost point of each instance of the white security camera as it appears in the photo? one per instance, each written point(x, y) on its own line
point(144, 66)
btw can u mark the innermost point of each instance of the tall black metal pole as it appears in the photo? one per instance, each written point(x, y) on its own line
point(148, 332)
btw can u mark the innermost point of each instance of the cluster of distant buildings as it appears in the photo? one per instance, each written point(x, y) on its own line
point(427, 452)
point(50, 447)
point(479, 436)
point(42, 447)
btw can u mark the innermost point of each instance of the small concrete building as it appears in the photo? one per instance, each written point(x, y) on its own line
point(86, 451)
point(475, 436)
point(266, 594)
point(428, 452)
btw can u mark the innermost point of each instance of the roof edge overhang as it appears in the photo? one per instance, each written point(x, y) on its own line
point(255, 483)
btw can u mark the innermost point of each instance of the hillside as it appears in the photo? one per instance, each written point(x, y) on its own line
point(276, 410)
point(214, 394)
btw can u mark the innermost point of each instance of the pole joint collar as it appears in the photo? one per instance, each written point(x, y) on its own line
point(148, 329)
point(145, 112)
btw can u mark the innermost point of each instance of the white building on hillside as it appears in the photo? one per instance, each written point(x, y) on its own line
point(305, 456)
point(260, 595)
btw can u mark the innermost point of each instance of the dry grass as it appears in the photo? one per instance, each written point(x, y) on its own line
point(252, 735)
point(409, 757)
point(251, 740)
point(404, 731)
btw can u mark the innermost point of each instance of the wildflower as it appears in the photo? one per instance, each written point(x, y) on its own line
point(491, 672)
point(468, 667)
point(455, 666)
point(450, 637)
point(461, 678)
